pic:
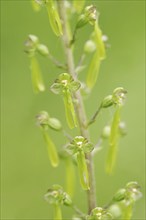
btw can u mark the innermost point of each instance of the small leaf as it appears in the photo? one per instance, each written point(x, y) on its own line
point(93, 70)
point(52, 153)
point(83, 171)
point(57, 212)
point(36, 75)
point(113, 141)
point(54, 18)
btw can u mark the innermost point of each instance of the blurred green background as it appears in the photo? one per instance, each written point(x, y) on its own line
point(26, 171)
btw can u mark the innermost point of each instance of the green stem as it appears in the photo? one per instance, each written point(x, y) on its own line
point(79, 105)
point(57, 212)
point(56, 62)
point(92, 120)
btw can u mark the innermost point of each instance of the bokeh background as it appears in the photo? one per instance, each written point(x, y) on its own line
point(26, 171)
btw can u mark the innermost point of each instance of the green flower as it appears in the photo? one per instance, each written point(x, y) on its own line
point(66, 86)
point(78, 144)
point(99, 214)
point(119, 96)
point(56, 195)
point(65, 82)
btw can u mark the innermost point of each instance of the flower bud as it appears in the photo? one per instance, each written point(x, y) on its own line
point(106, 132)
point(107, 101)
point(104, 38)
point(43, 49)
point(91, 14)
point(122, 128)
point(133, 191)
point(42, 119)
point(67, 200)
point(120, 195)
point(119, 96)
point(81, 21)
point(55, 124)
point(31, 44)
point(89, 46)
point(115, 210)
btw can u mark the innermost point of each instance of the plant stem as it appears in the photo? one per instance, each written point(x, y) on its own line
point(81, 115)
point(92, 120)
point(56, 62)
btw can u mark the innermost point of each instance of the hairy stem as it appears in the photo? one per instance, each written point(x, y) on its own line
point(79, 106)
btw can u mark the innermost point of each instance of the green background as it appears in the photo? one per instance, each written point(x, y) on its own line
point(26, 171)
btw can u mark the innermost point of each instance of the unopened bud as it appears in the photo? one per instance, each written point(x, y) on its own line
point(81, 21)
point(120, 195)
point(115, 210)
point(67, 200)
point(122, 128)
point(104, 38)
point(55, 124)
point(89, 46)
point(43, 49)
point(106, 132)
point(107, 101)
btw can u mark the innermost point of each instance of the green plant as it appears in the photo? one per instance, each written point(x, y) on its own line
point(80, 150)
